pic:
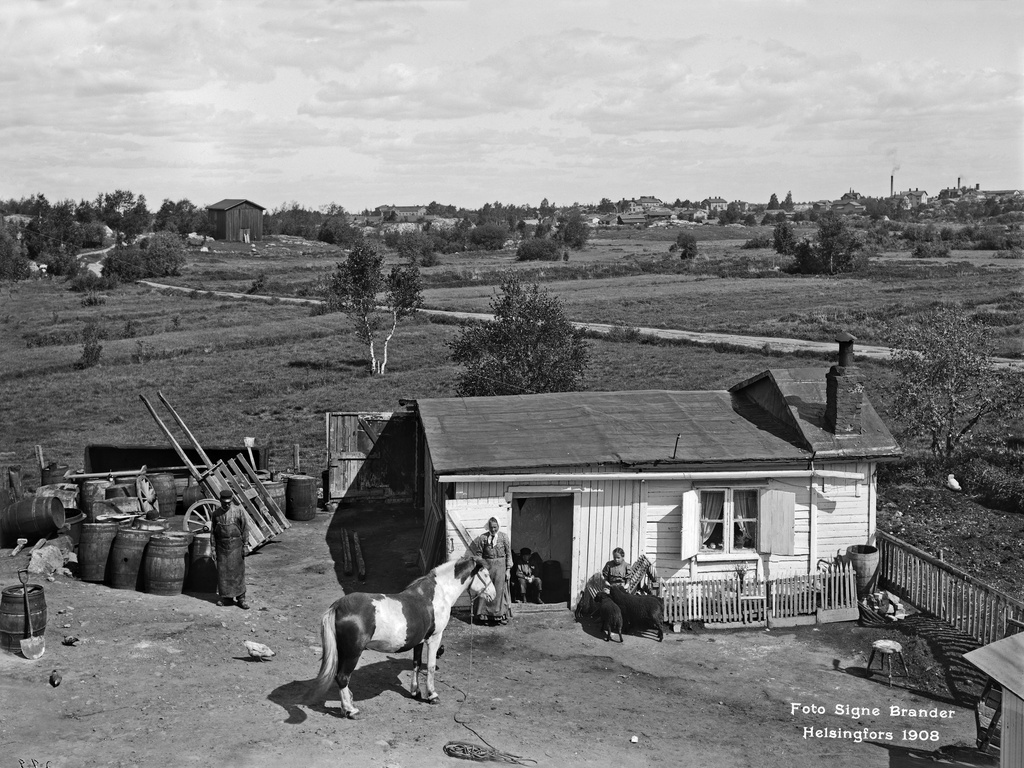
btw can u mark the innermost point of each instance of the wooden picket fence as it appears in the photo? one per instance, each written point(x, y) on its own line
point(946, 592)
point(748, 602)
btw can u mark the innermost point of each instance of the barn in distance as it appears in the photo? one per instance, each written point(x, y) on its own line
point(236, 220)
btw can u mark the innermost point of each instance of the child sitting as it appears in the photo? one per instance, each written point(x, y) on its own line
point(530, 585)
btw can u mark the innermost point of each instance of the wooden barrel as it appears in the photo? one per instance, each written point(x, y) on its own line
point(121, 489)
point(276, 489)
point(66, 492)
point(34, 518)
point(300, 497)
point(91, 492)
point(202, 565)
point(191, 495)
point(864, 559)
point(13, 622)
point(165, 563)
point(94, 549)
point(166, 493)
point(126, 557)
point(52, 474)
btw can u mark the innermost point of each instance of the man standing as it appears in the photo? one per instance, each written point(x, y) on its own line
point(229, 535)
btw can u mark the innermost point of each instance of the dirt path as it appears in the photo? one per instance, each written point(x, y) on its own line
point(166, 681)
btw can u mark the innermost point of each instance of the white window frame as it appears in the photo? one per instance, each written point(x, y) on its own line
point(775, 530)
point(728, 516)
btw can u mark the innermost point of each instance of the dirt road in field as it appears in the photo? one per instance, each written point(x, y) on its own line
point(165, 681)
point(772, 343)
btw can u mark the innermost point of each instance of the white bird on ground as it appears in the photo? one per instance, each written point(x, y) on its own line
point(951, 483)
point(258, 650)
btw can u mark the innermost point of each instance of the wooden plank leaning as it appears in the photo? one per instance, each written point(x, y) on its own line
point(251, 495)
point(271, 504)
point(255, 518)
point(193, 470)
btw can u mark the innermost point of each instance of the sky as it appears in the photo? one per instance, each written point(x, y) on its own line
point(402, 102)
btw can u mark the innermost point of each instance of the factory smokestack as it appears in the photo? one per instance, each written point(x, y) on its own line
point(892, 189)
point(958, 182)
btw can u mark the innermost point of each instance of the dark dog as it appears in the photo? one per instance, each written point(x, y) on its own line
point(611, 616)
point(639, 611)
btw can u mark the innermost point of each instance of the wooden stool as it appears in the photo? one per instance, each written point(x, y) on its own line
point(886, 650)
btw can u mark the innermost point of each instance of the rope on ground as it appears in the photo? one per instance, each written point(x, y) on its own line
point(466, 751)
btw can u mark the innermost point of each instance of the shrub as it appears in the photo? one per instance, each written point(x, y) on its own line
point(13, 262)
point(63, 265)
point(93, 299)
point(935, 249)
point(338, 231)
point(784, 239)
point(687, 246)
point(538, 249)
point(92, 334)
point(90, 282)
point(159, 255)
point(761, 241)
point(490, 237)
point(574, 231)
point(837, 249)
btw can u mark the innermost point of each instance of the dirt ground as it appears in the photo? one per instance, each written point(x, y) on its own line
point(166, 681)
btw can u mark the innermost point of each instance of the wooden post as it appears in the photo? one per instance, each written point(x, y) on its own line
point(360, 565)
point(346, 553)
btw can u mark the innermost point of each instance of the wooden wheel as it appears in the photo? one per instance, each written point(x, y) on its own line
point(198, 517)
point(148, 502)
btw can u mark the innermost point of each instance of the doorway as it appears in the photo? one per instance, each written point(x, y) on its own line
point(544, 524)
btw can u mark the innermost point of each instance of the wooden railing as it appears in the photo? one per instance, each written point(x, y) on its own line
point(734, 601)
point(948, 593)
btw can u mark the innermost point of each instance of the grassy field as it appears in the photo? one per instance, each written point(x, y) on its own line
point(272, 370)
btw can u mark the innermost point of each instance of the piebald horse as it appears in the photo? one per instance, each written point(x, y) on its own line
point(409, 620)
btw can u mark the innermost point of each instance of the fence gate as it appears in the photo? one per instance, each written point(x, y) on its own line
point(371, 455)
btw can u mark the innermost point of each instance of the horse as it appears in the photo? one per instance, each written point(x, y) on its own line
point(412, 619)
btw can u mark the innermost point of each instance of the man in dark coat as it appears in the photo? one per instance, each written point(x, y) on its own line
point(229, 536)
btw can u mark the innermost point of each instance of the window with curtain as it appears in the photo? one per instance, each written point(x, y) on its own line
point(729, 520)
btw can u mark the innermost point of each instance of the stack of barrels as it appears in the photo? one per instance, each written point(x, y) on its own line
point(146, 556)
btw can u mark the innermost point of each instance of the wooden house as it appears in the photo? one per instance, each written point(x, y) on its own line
point(772, 475)
point(236, 220)
point(1000, 709)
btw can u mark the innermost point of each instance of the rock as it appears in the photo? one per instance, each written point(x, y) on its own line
point(46, 560)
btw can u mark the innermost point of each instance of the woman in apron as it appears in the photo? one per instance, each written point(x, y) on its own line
point(494, 547)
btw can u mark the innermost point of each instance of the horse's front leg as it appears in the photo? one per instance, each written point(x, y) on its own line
point(417, 662)
point(429, 694)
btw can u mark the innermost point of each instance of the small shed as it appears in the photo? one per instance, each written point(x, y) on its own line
point(771, 475)
point(236, 220)
point(1000, 709)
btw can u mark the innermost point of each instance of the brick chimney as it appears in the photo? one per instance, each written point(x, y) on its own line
point(844, 392)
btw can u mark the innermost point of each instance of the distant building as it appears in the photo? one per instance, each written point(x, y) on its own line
point(236, 220)
point(402, 212)
point(714, 204)
point(915, 197)
point(849, 207)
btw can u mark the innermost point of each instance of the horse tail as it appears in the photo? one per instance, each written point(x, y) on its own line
point(329, 654)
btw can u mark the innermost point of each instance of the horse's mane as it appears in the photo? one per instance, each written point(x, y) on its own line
point(431, 575)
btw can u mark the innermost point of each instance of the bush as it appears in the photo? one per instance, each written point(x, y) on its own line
point(784, 239)
point(90, 282)
point(998, 487)
point(687, 244)
point(574, 231)
point(337, 231)
point(538, 249)
point(490, 237)
point(159, 255)
point(93, 299)
point(13, 262)
point(837, 249)
point(931, 250)
point(63, 265)
point(92, 334)
point(761, 241)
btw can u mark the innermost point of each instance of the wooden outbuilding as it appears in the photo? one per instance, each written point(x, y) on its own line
point(1000, 709)
point(236, 220)
point(769, 477)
